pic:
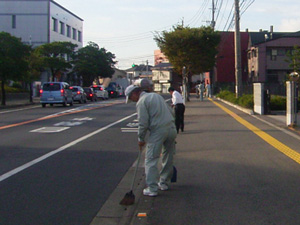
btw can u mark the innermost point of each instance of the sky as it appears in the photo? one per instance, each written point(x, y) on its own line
point(126, 28)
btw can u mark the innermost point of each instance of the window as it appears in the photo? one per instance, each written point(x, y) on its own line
point(281, 52)
point(74, 34)
point(54, 24)
point(274, 55)
point(68, 31)
point(62, 28)
point(79, 36)
point(14, 22)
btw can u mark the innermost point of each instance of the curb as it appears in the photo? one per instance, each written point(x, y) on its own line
point(112, 213)
point(245, 110)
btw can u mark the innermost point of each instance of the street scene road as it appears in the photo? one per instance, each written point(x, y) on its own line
point(73, 166)
point(59, 164)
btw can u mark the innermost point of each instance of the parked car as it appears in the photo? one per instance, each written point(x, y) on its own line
point(100, 91)
point(112, 90)
point(56, 93)
point(78, 94)
point(90, 94)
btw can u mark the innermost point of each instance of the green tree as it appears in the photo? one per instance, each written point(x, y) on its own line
point(192, 48)
point(189, 50)
point(55, 56)
point(294, 59)
point(13, 61)
point(92, 62)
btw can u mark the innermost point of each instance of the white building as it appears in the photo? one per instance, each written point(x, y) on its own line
point(38, 22)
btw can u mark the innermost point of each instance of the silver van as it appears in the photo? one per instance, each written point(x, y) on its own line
point(56, 93)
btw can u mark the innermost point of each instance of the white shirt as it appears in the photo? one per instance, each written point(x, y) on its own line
point(177, 98)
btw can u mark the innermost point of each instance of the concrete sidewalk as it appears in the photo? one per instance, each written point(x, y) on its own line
point(170, 206)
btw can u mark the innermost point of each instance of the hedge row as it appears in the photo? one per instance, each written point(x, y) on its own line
point(276, 102)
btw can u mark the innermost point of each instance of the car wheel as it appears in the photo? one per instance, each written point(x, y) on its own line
point(51, 104)
point(43, 105)
point(71, 103)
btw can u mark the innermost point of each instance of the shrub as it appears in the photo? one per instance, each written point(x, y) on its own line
point(244, 101)
point(228, 96)
point(277, 102)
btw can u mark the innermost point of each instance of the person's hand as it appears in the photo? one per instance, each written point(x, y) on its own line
point(141, 145)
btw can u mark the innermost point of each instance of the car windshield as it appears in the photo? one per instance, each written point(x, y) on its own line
point(74, 89)
point(51, 87)
point(87, 90)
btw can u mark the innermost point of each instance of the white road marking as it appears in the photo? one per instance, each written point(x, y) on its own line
point(35, 161)
point(50, 129)
point(16, 110)
point(69, 124)
point(132, 125)
point(83, 119)
point(128, 129)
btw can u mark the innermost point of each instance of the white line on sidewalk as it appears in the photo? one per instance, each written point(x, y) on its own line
point(35, 161)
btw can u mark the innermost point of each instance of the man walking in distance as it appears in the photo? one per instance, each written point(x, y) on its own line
point(179, 108)
point(155, 116)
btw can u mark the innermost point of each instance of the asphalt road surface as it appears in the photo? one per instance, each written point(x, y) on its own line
point(58, 165)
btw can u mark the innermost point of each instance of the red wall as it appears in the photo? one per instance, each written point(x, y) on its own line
point(225, 65)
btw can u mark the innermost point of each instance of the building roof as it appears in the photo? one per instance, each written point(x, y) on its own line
point(162, 66)
point(141, 67)
point(264, 36)
point(65, 9)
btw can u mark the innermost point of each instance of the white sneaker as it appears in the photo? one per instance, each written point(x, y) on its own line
point(150, 193)
point(163, 187)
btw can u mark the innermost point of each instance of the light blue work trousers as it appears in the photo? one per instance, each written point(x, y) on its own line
point(160, 141)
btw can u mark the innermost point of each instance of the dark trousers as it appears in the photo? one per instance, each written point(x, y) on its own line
point(179, 116)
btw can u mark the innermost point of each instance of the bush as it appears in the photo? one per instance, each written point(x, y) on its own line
point(17, 85)
point(277, 102)
point(228, 96)
point(244, 101)
point(9, 89)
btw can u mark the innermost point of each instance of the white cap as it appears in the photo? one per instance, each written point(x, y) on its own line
point(128, 91)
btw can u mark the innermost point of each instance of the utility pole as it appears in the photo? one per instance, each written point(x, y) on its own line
point(213, 22)
point(237, 43)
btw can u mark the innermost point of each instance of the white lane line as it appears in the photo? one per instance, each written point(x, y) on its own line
point(50, 129)
point(16, 110)
point(35, 161)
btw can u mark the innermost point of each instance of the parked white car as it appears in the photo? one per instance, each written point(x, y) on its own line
point(100, 91)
